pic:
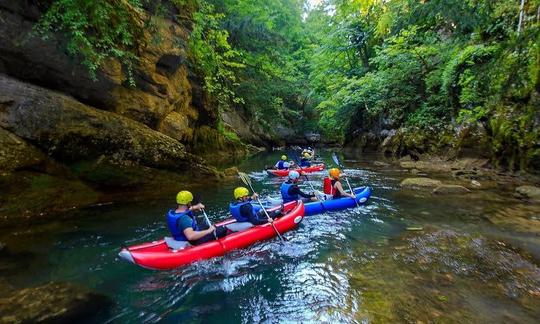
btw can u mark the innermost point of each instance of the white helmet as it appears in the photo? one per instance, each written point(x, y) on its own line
point(293, 175)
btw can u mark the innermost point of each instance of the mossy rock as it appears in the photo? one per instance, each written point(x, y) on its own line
point(52, 303)
point(32, 196)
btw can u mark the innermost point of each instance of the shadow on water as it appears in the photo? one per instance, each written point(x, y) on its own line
point(358, 265)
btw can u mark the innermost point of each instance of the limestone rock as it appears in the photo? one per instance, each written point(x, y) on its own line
point(15, 153)
point(529, 192)
point(160, 75)
point(381, 164)
point(231, 172)
point(407, 164)
point(450, 189)
point(71, 131)
point(420, 183)
point(176, 125)
point(52, 302)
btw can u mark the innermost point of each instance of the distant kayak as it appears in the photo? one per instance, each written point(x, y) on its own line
point(284, 173)
point(317, 207)
point(159, 255)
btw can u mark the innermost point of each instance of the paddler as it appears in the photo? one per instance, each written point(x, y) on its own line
point(332, 185)
point(183, 224)
point(291, 191)
point(283, 164)
point(243, 211)
point(305, 160)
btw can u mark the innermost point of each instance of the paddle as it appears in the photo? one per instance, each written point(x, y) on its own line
point(336, 160)
point(245, 179)
point(208, 222)
point(198, 200)
point(298, 161)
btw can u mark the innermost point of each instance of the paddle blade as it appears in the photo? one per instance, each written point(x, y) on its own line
point(335, 158)
point(245, 178)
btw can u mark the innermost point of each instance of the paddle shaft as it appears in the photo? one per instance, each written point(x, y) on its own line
point(270, 220)
point(303, 173)
point(208, 222)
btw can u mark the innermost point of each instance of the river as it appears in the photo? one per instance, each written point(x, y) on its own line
point(405, 256)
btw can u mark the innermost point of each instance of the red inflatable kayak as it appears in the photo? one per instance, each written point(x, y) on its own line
point(158, 255)
point(284, 173)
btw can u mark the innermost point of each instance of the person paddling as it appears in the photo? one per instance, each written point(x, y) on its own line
point(291, 191)
point(283, 164)
point(243, 211)
point(332, 185)
point(305, 161)
point(183, 225)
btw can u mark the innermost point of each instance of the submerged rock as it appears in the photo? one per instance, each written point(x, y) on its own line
point(420, 183)
point(52, 302)
point(381, 164)
point(450, 189)
point(529, 192)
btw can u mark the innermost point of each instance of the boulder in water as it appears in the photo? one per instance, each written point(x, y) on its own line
point(450, 189)
point(381, 164)
point(52, 302)
point(531, 193)
point(420, 183)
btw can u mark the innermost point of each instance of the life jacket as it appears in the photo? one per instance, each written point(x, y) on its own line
point(285, 192)
point(305, 163)
point(328, 187)
point(172, 223)
point(281, 165)
point(234, 208)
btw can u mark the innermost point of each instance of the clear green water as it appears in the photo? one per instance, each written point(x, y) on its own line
point(346, 266)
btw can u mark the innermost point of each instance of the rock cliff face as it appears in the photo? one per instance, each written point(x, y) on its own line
point(59, 123)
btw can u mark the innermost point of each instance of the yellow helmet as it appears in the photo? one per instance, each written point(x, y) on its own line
point(334, 173)
point(240, 192)
point(306, 154)
point(284, 157)
point(184, 197)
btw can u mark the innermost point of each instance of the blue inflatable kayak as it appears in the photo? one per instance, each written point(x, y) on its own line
point(318, 207)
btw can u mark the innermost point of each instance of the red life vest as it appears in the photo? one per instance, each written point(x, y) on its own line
point(327, 186)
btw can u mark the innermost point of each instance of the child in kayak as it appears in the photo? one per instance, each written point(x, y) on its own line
point(291, 191)
point(332, 185)
point(243, 211)
point(183, 225)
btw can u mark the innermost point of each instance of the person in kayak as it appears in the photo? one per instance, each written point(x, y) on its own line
point(283, 164)
point(305, 161)
point(332, 185)
point(290, 190)
point(243, 211)
point(183, 225)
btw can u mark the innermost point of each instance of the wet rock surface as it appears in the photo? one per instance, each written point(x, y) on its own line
point(52, 303)
point(15, 153)
point(420, 183)
point(450, 189)
point(531, 193)
point(436, 276)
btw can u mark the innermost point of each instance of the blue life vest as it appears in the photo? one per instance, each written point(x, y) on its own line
point(173, 220)
point(305, 163)
point(285, 192)
point(280, 165)
point(234, 208)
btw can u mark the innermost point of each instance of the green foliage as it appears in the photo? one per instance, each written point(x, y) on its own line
point(270, 37)
point(95, 30)
point(214, 56)
point(431, 63)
